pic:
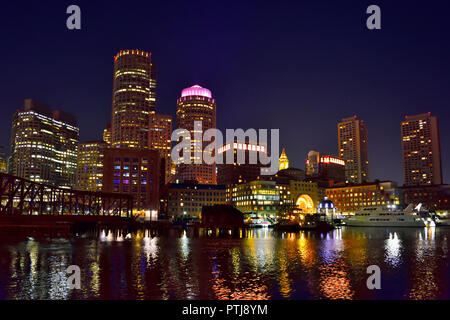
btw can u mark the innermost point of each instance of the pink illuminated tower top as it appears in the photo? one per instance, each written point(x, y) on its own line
point(196, 91)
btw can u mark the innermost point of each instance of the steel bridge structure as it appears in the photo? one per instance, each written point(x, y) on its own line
point(19, 196)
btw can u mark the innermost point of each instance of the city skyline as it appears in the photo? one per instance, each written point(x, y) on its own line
point(309, 125)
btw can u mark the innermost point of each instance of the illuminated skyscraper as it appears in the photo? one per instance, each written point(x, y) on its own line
point(421, 150)
point(283, 162)
point(160, 139)
point(134, 98)
point(196, 104)
point(90, 165)
point(44, 145)
point(353, 148)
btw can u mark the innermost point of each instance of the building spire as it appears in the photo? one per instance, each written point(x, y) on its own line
point(283, 163)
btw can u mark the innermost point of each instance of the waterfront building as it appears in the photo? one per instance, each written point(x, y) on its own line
point(89, 175)
point(3, 160)
point(327, 170)
point(133, 98)
point(134, 172)
point(44, 145)
point(260, 198)
point(188, 199)
point(283, 162)
point(421, 151)
point(160, 139)
point(433, 197)
point(196, 104)
point(353, 148)
point(236, 173)
point(107, 134)
point(351, 198)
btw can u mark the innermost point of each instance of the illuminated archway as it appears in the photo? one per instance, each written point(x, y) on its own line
point(305, 203)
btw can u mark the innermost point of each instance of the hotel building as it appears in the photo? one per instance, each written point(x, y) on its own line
point(160, 139)
point(90, 166)
point(353, 148)
point(134, 172)
point(133, 99)
point(196, 104)
point(350, 199)
point(421, 151)
point(188, 199)
point(44, 145)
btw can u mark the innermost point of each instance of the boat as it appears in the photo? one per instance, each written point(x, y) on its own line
point(380, 216)
point(257, 223)
point(317, 222)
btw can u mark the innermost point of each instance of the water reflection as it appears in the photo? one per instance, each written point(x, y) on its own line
point(258, 264)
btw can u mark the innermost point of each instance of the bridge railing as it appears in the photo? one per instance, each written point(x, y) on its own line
point(22, 196)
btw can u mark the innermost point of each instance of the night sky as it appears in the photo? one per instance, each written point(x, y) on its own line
point(300, 66)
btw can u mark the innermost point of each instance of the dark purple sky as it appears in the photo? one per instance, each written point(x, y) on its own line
point(299, 66)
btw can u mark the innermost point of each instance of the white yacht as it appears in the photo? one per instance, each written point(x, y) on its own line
point(386, 217)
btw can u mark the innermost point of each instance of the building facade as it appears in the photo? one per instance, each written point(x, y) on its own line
point(237, 172)
point(196, 104)
point(3, 160)
point(353, 148)
point(107, 134)
point(44, 145)
point(188, 199)
point(260, 198)
point(160, 139)
point(421, 151)
point(134, 172)
point(351, 198)
point(90, 166)
point(433, 197)
point(133, 99)
point(327, 170)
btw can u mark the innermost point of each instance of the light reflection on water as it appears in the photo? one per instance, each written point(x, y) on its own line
point(259, 264)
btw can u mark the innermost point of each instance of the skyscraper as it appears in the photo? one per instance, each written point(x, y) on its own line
point(134, 98)
point(90, 165)
point(160, 139)
point(196, 104)
point(421, 151)
point(44, 145)
point(353, 148)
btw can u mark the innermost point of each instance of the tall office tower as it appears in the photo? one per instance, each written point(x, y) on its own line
point(196, 104)
point(44, 145)
point(353, 148)
point(283, 161)
point(2, 159)
point(107, 134)
point(134, 98)
point(160, 139)
point(421, 150)
point(90, 165)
